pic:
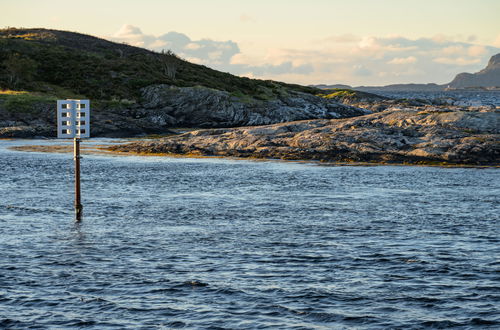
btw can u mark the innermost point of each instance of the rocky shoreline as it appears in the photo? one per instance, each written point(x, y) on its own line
point(400, 136)
point(344, 126)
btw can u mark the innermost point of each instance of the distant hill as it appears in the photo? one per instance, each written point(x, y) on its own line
point(73, 64)
point(488, 77)
point(402, 88)
point(336, 86)
point(395, 87)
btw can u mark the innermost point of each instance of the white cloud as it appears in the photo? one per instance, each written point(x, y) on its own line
point(403, 60)
point(453, 50)
point(205, 51)
point(193, 46)
point(440, 38)
point(369, 43)
point(461, 61)
point(214, 55)
point(158, 44)
point(133, 35)
point(386, 60)
point(476, 50)
point(127, 30)
point(361, 70)
point(242, 59)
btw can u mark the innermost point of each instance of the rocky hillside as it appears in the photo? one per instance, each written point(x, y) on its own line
point(488, 77)
point(203, 107)
point(135, 91)
point(392, 136)
point(163, 107)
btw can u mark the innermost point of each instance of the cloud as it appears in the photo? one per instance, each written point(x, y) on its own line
point(440, 38)
point(193, 46)
point(471, 38)
point(372, 60)
point(403, 60)
point(461, 61)
point(360, 70)
point(204, 51)
point(453, 50)
point(346, 58)
point(127, 31)
point(133, 35)
point(476, 51)
point(221, 55)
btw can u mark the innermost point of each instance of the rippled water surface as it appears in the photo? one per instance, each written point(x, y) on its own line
point(471, 97)
point(210, 243)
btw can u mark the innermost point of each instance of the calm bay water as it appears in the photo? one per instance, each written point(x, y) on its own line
point(210, 243)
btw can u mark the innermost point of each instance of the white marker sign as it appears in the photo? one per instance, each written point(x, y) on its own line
point(73, 119)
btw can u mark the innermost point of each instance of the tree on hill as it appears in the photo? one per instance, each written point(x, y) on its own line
point(169, 62)
point(19, 69)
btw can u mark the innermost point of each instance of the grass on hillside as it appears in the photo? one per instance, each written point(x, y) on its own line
point(339, 93)
point(23, 101)
point(346, 95)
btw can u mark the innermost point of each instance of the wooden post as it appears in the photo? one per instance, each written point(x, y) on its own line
point(78, 204)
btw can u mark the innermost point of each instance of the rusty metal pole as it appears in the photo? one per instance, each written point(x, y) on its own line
point(78, 203)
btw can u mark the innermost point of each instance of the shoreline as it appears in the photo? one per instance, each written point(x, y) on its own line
point(106, 150)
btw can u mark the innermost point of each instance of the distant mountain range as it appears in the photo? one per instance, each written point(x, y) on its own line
point(488, 78)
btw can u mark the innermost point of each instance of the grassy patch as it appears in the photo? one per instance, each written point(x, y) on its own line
point(338, 94)
point(11, 92)
point(21, 101)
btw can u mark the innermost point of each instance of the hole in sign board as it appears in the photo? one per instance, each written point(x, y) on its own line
point(65, 114)
point(81, 114)
point(81, 122)
point(81, 131)
point(66, 131)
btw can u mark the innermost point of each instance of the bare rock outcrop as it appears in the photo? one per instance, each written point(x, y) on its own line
point(399, 136)
point(205, 107)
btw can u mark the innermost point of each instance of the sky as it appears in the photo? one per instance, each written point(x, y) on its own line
point(354, 42)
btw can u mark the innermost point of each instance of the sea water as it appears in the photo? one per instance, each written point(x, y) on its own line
point(225, 244)
point(457, 97)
